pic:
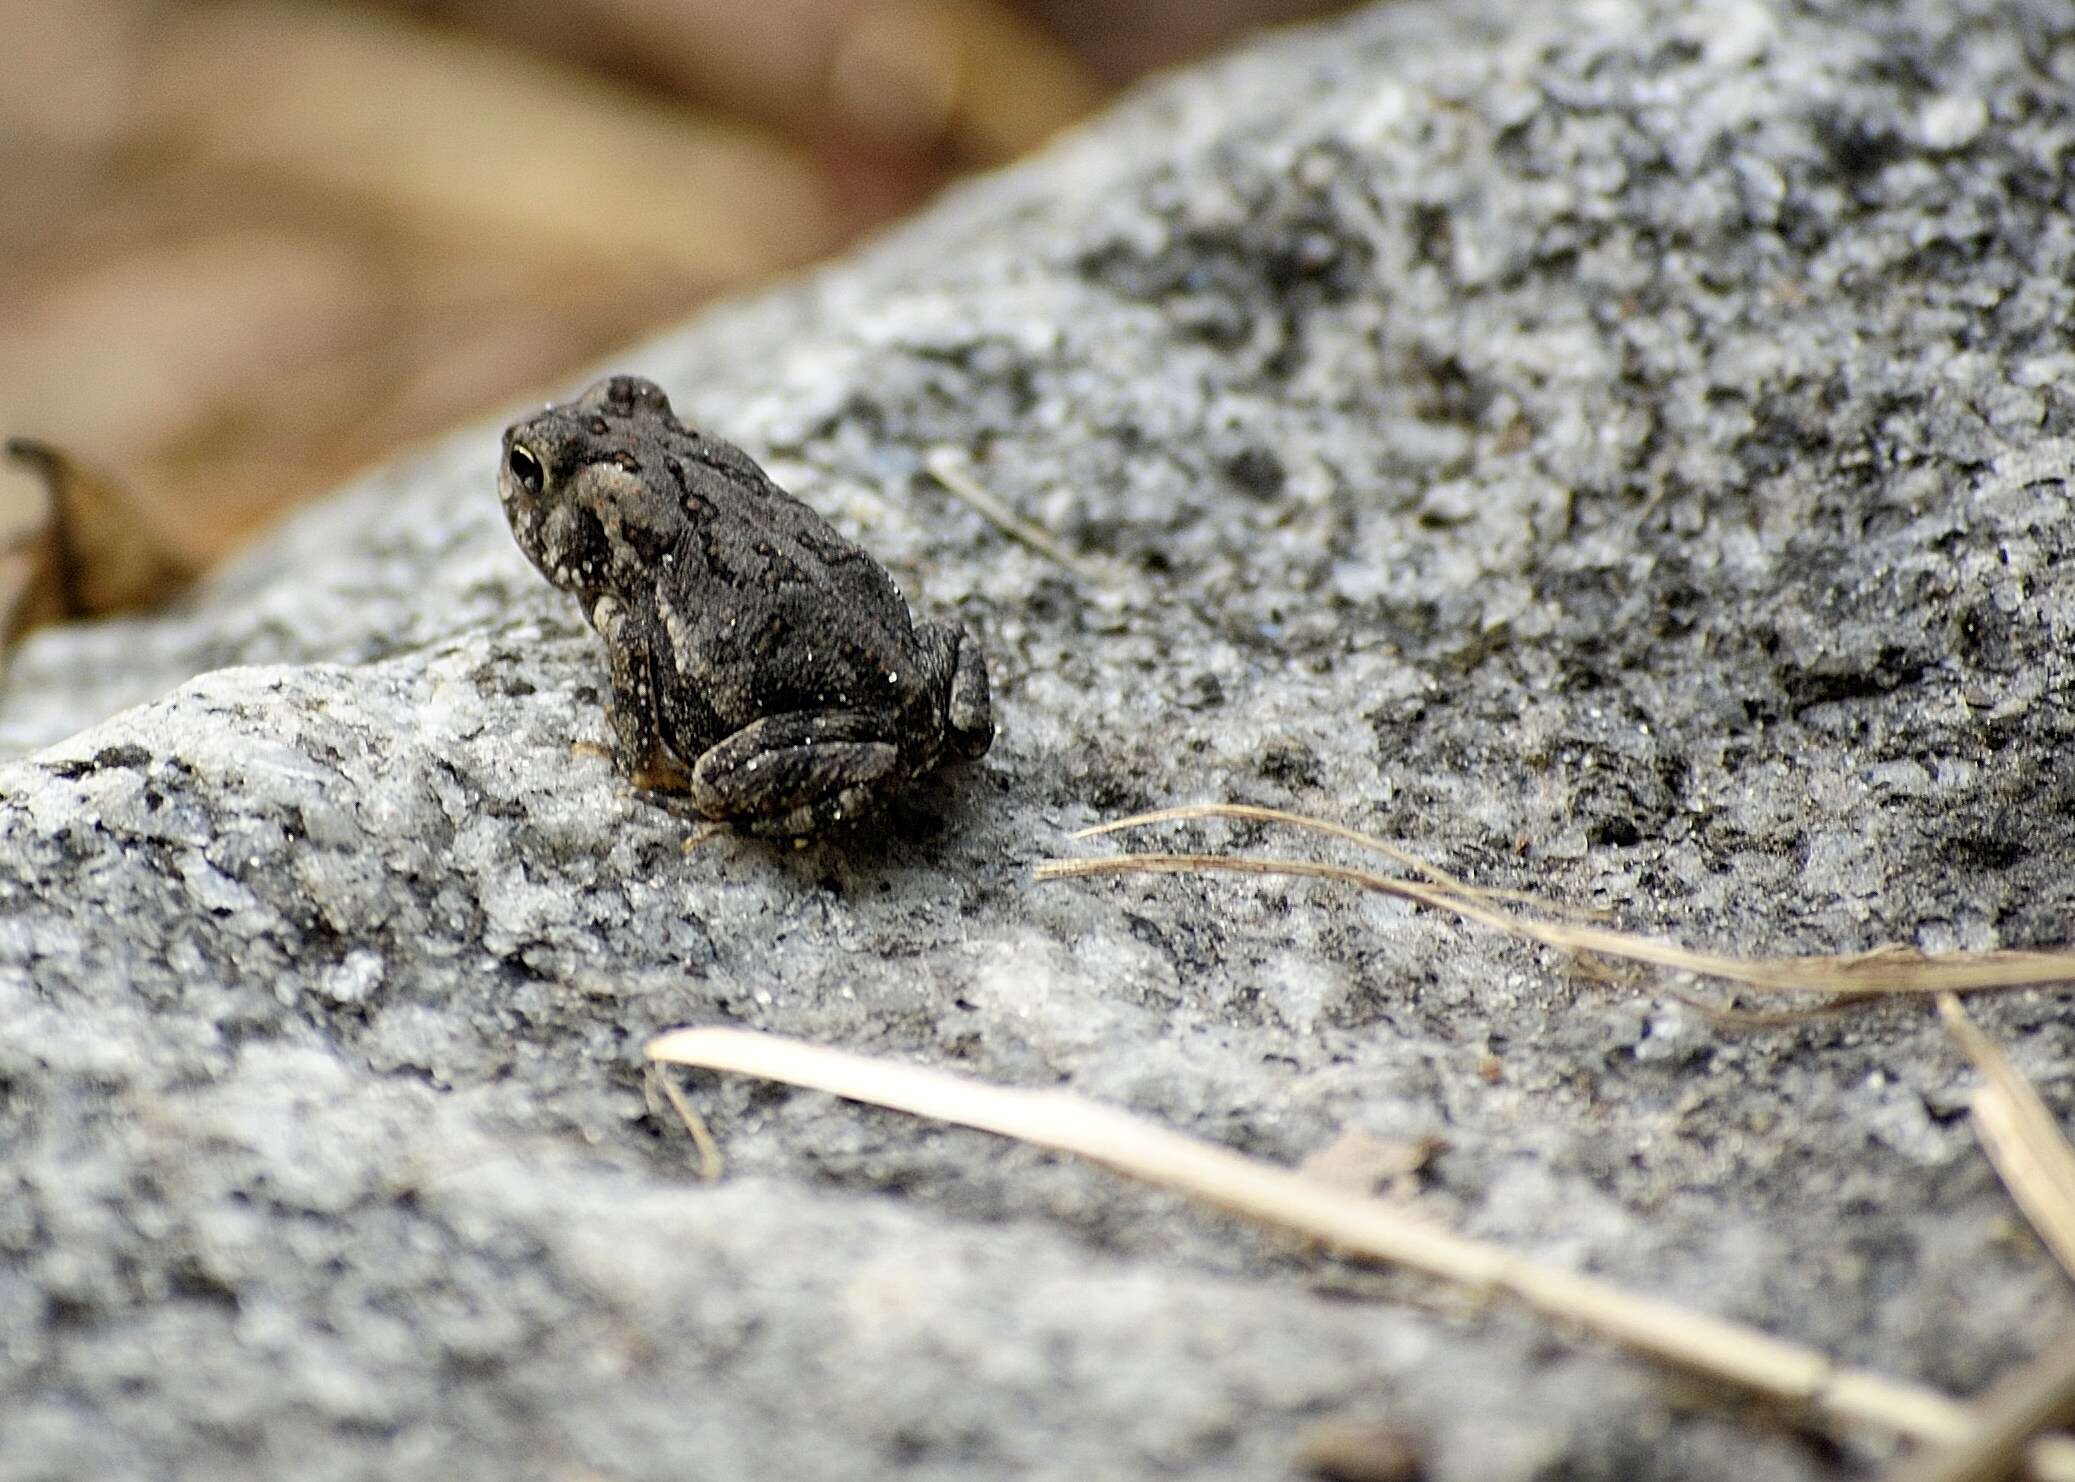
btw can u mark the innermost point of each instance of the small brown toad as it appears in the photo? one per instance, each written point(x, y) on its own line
point(762, 666)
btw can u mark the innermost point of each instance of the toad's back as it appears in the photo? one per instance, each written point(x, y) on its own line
point(784, 613)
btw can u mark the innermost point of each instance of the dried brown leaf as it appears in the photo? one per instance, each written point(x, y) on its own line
point(972, 72)
point(438, 125)
point(90, 551)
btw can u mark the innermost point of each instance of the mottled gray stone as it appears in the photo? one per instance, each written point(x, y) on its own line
point(1622, 449)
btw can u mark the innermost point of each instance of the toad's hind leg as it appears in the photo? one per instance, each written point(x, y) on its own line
point(796, 773)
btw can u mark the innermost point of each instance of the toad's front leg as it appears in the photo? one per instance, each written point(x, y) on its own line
point(632, 710)
point(797, 773)
point(968, 711)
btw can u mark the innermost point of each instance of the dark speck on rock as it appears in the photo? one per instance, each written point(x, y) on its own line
point(1258, 471)
point(107, 758)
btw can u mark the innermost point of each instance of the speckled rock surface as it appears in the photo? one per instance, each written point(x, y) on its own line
point(1621, 449)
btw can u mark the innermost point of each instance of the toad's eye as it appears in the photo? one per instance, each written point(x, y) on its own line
point(525, 468)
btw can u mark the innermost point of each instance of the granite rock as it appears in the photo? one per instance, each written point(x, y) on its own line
point(1619, 449)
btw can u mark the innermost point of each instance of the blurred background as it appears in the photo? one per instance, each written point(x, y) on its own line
point(250, 247)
